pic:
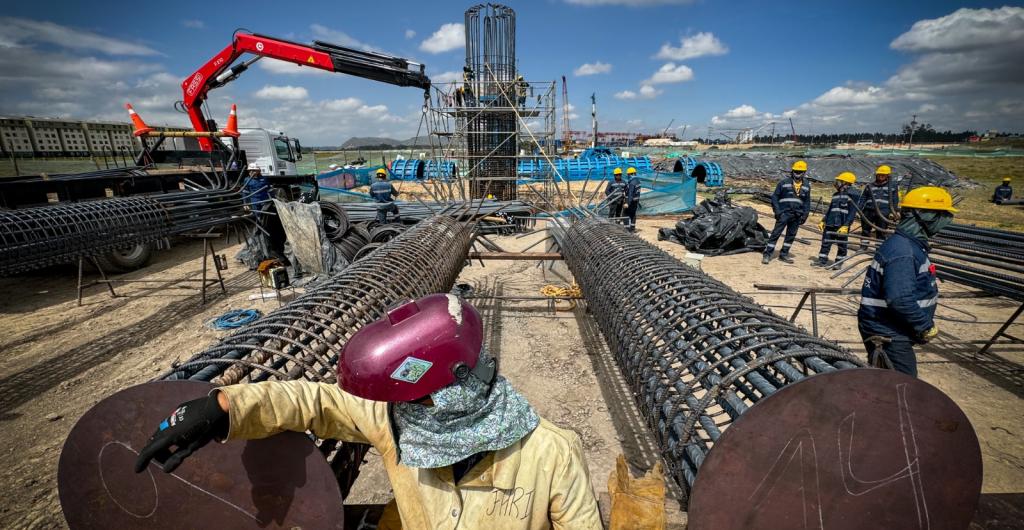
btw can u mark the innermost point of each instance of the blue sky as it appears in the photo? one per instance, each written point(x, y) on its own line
point(704, 63)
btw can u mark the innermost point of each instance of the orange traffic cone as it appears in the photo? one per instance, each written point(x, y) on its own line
point(232, 127)
point(141, 129)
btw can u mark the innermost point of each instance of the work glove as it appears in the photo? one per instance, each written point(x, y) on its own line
point(843, 230)
point(192, 425)
point(821, 226)
point(927, 336)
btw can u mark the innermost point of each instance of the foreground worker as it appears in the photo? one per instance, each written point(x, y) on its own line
point(791, 204)
point(384, 194)
point(835, 225)
point(615, 194)
point(899, 296)
point(879, 203)
point(632, 198)
point(462, 448)
point(1003, 192)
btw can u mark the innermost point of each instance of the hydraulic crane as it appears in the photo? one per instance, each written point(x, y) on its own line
point(219, 71)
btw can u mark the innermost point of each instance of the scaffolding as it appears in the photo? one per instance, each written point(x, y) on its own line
point(491, 120)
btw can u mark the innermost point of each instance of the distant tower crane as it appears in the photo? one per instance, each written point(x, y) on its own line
point(566, 127)
point(792, 129)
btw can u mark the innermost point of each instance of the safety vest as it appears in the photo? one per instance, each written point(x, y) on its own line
point(882, 196)
point(841, 210)
point(787, 198)
point(382, 191)
point(616, 187)
point(900, 293)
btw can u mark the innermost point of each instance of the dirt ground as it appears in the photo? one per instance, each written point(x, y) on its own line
point(59, 359)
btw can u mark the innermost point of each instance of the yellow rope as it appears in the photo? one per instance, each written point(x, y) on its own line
point(555, 291)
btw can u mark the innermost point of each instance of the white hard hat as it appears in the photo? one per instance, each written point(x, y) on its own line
point(333, 166)
point(253, 166)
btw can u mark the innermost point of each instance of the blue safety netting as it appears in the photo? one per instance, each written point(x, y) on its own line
point(667, 193)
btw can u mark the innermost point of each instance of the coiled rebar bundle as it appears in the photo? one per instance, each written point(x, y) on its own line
point(697, 354)
point(303, 339)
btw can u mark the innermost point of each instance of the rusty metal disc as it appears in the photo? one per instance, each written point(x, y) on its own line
point(279, 482)
point(851, 449)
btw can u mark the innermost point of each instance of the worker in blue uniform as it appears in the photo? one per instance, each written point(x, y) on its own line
point(384, 194)
point(878, 203)
point(1003, 192)
point(791, 204)
point(615, 194)
point(899, 296)
point(835, 225)
point(632, 198)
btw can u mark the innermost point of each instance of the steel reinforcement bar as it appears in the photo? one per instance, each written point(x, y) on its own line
point(33, 238)
point(303, 339)
point(696, 353)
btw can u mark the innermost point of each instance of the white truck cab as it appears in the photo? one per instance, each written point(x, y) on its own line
point(273, 151)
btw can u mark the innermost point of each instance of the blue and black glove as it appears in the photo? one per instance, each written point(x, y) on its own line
point(192, 425)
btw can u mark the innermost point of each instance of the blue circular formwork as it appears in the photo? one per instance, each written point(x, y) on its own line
point(441, 170)
point(407, 169)
point(708, 173)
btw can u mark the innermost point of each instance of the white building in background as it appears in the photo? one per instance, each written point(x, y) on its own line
point(30, 136)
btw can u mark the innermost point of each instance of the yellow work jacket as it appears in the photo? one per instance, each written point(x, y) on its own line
point(539, 482)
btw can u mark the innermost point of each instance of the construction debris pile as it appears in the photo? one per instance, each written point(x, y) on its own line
point(825, 168)
point(718, 227)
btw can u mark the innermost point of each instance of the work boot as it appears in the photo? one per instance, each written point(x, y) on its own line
point(786, 259)
point(765, 259)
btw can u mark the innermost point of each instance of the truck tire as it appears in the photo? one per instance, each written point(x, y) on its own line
point(126, 259)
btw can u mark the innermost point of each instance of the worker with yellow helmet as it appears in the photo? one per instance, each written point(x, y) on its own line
point(879, 203)
point(899, 296)
point(791, 204)
point(384, 194)
point(835, 225)
point(1003, 192)
point(615, 194)
point(632, 198)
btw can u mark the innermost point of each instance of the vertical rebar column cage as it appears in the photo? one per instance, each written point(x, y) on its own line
point(490, 81)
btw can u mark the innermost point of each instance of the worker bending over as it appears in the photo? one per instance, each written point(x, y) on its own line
point(899, 296)
point(1003, 192)
point(615, 194)
point(879, 203)
point(632, 198)
point(840, 214)
point(462, 448)
point(791, 204)
point(384, 194)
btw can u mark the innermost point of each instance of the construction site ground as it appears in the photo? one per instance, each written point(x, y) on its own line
point(60, 359)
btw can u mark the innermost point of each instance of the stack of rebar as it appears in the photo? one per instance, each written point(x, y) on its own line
point(415, 211)
point(32, 238)
point(303, 339)
point(696, 353)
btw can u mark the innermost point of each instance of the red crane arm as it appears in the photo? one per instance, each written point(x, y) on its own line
point(325, 56)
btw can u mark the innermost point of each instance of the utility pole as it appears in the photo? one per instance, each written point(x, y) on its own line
point(772, 141)
point(593, 117)
point(566, 125)
point(913, 125)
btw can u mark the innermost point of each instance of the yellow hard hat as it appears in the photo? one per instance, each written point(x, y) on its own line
point(618, 171)
point(929, 198)
point(799, 165)
point(883, 170)
point(631, 171)
point(381, 172)
point(1006, 179)
point(846, 177)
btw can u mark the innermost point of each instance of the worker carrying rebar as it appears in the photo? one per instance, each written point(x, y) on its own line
point(615, 194)
point(899, 296)
point(878, 203)
point(791, 204)
point(462, 448)
point(1003, 192)
point(835, 225)
point(384, 194)
point(632, 198)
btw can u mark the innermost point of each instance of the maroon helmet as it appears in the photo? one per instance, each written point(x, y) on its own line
point(419, 347)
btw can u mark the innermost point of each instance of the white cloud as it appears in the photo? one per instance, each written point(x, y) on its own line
point(287, 68)
point(844, 96)
point(193, 24)
point(699, 45)
point(648, 92)
point(333, 36)
point(671, 73)
point(19, 32)
point(343, 104)
point(286, 92)
point(629, 3)
point(450, 36)
point(743, 111)
point(625, 94)
point(964, 29)
point(410, 33)
point(592, 69)
point(446, 77)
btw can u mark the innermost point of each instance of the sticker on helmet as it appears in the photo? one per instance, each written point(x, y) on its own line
point(411, 370)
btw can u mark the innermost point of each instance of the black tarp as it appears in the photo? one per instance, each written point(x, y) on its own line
point(718, 227)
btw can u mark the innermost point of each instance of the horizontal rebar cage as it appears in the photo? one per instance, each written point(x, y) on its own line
point(696, 353)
